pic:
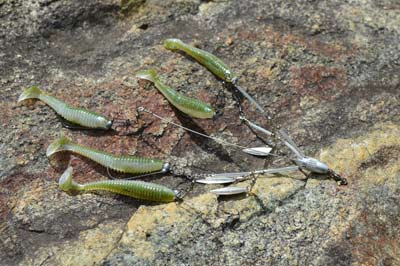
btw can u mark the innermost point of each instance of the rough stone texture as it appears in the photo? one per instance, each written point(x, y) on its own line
point(327, 71)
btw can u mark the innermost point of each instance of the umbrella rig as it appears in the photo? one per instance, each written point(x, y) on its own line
point(81, 118)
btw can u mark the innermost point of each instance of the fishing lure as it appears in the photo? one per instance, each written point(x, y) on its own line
point(135, 189)
point(120, 163)
point(258, 151)
point(212, 63)
point(78, 116)
point(190, 106)
point(308, 163)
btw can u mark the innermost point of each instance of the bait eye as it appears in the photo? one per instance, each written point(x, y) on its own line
point(109, 124)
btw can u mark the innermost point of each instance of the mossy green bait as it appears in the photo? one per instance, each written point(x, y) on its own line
point(79, 116)
point(134, 189)
point(190, 106)
point(120, 163)
point(212, 63)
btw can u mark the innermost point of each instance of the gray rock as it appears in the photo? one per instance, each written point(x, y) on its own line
point(327, 71)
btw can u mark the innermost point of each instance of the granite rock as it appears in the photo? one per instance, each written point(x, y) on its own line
point(326, 71)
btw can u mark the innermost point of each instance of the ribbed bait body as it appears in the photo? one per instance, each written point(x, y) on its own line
point(79, 116)
point(210, 61)
point(120, 163)
point(135, 189)
point(190, 106)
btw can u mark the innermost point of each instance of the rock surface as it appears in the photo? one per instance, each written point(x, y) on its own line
point(327, 71)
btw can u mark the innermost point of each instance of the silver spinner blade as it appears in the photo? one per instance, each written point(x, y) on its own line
point(258, 151)
point(277, 170)
point(216, 180)
point(228, 175)
point(229, 190)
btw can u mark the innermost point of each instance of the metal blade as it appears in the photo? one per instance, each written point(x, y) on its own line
point(229, 175)
point(277, 170)
point(220, 180)
point(229, 190)
point(258, 151)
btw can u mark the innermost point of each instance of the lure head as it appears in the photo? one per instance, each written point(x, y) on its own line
point(102, 122)
point(233, 80)
point(179, 194)
point(230, 77)
point(209, 112)
point(166, 168)
point(109, 124)
point(313, 165)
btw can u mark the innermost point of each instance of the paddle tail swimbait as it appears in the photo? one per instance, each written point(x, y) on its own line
point(210, 61)
point(134, 189)
point(120, 163)
point(79, 116)
point(190, 106)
